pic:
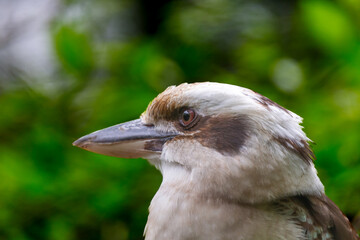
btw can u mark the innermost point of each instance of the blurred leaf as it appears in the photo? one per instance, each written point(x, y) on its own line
point(75, 51)
point(150, 65)
point(60, 228)
point(257, 57)
point(329, 25)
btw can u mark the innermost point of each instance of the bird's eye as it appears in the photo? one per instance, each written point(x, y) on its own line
point(187, 117)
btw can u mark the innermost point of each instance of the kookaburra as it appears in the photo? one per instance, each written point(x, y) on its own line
point(235, 165)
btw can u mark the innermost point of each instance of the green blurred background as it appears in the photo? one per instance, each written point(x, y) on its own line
point(70, 67)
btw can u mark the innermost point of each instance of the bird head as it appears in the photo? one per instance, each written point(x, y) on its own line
point(217, 141)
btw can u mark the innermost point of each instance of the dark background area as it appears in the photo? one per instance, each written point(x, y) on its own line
point(70, 67)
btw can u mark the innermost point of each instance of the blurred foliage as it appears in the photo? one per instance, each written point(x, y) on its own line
point(113, 57)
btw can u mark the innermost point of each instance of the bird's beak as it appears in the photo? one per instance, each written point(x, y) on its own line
point(127, 140)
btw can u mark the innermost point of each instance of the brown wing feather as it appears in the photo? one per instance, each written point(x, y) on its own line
point(342, 228)
point(319, 217)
